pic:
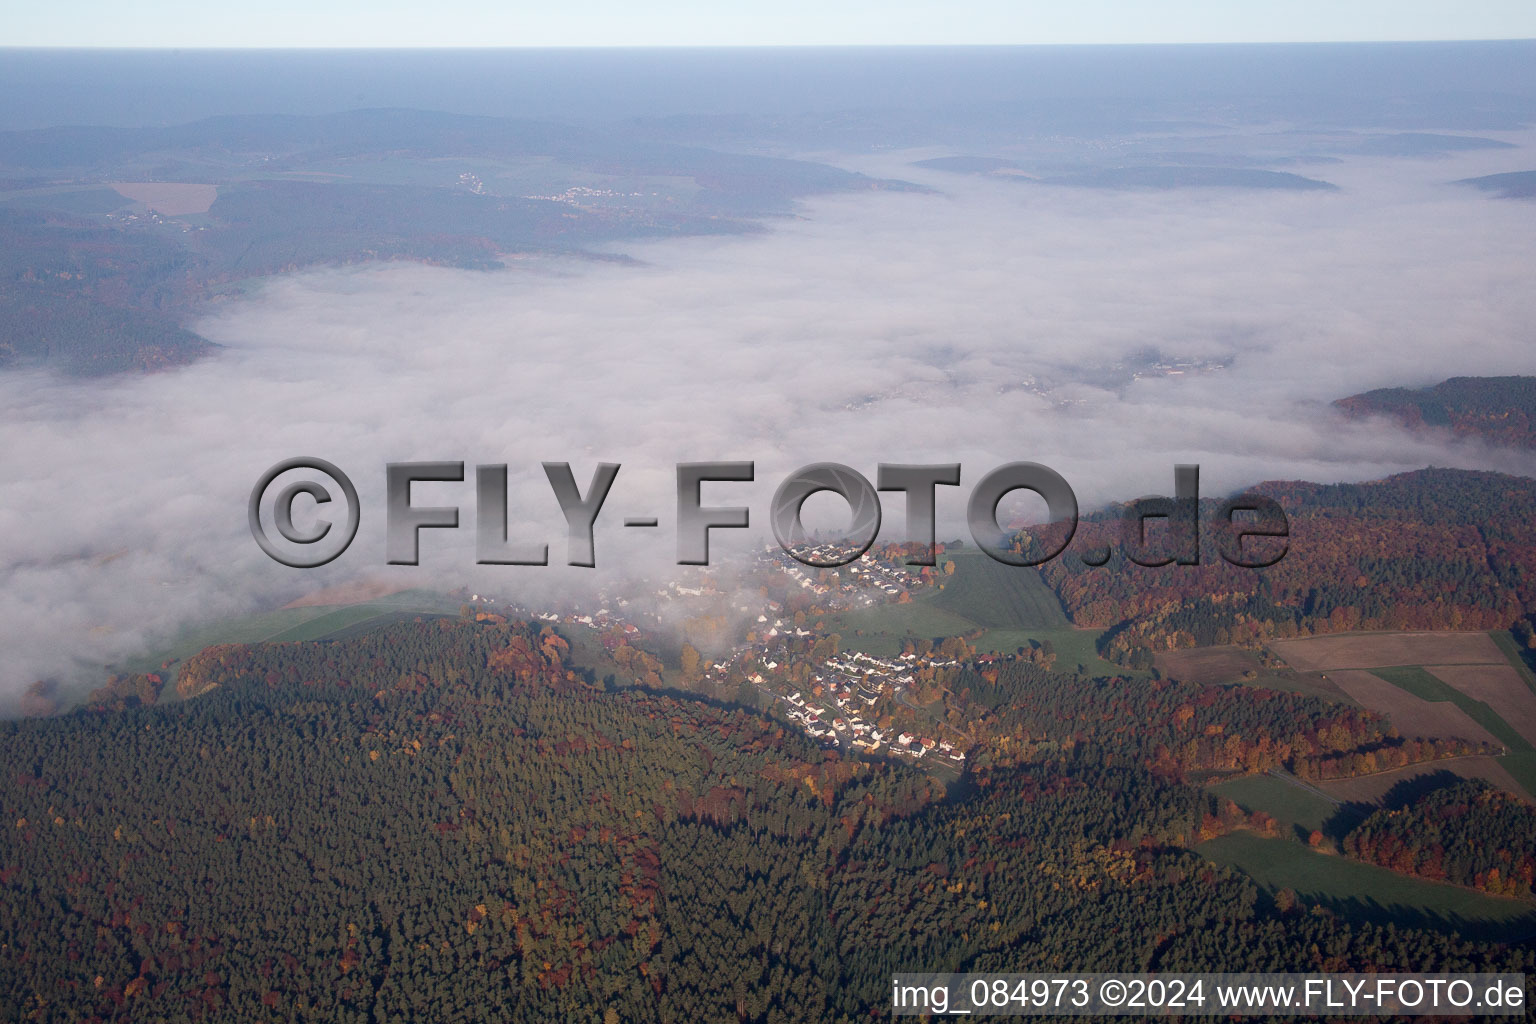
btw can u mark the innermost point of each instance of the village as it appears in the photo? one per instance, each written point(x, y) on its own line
point(838, 700)
point(853, 683)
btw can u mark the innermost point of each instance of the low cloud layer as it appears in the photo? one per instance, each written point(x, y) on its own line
point(989, 323)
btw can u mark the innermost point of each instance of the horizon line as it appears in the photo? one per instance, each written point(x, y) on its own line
point(530, 47)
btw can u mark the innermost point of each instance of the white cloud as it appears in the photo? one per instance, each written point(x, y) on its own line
point(891, 327)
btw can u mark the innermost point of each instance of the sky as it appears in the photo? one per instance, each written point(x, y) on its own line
point(604, 23)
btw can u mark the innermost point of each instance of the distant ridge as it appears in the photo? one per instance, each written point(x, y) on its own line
point(1499, 410)
point(1514, 185)
point(113, 239)
point(1153, 176)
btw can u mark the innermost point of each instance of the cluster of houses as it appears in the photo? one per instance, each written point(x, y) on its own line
point(854, 730)
point(851, 683)
point(848, 727)
point(802, 578)
point(921, 746)
point(578, 194)
point(870, 673)
point(616, 630)
point(869, 574)
point(845, 686)
point(864, 580)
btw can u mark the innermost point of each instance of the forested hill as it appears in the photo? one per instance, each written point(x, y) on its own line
point(1431, 549)
point(1468, 833)
point(1499, 410)
point(441, 821)
point(88, 298)
point(1510, 185)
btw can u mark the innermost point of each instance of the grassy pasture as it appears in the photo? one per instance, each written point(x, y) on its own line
point(1003, 607)
point(1365, 890)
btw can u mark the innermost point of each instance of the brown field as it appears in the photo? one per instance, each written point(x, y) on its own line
point(1369, 789)
point(1381, 650)
point(1231, 664)
point(169, 198)
point(356, 592)
point(1500, 687)
point(1207, 664)
point(1412, 716)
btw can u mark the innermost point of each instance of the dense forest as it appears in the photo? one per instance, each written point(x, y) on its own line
point(1431, 549)
point(1499, 410)
point(443, 820)
point(1468, 833)
point(91, 299)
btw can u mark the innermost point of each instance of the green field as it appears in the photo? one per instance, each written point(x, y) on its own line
point(880, 630)
point(1425, 686)
point(349, 621)
point(1009, 607)
point(1074, 648)
point(1364, 890)
point(290, 624)
point(1522, 768)
point(997, 596)
point(81, 202)
point(1289, 804)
